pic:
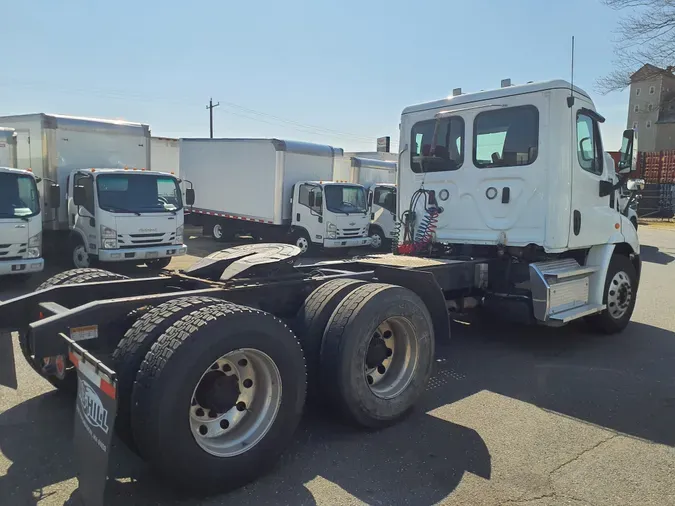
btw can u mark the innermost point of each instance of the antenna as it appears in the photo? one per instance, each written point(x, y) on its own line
point(570, 99)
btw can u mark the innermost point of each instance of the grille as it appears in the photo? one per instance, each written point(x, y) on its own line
point(348, 232)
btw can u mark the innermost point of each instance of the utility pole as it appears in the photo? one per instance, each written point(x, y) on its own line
point(210, 108)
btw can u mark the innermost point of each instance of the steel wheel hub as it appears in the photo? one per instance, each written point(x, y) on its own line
point(217, 231)
point(620, 295)
point(377, 241)
point(302, 244)
point(391, 358)
point(235, 402)
point(80, 257)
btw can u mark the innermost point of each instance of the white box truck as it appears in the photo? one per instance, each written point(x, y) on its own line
point(275, 190)
point(378, 177)
point(164, 155)
point(8, 148)
point(122, 213)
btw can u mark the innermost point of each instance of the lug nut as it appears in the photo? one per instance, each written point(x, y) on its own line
point(390, 352)
point(387, 334)
point(224, 423)
point(248, 383)
point(381, 369)
point(241, 406)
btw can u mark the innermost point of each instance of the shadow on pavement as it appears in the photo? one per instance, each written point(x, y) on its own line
point(654, 255)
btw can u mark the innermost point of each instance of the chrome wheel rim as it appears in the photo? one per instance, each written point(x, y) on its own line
point(235, 402)
point(80, 257)
point(619, 296)
point(218, 231)
point(391, 358)
point(302, 243)
point(376, 241)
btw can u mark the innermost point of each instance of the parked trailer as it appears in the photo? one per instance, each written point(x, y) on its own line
point(275, 190)
point(207, 370)
point(164, 155)
point(379, 178)
point(122, 213)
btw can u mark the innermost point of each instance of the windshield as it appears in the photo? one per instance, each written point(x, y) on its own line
point(345, 199)
point(138, 193)
point(18, 196)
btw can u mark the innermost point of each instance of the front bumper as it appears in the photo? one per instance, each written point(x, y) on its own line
point(141, 254)
point(27, 266)
point(351, 242)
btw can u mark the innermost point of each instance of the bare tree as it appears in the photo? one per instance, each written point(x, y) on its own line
point(646, 34)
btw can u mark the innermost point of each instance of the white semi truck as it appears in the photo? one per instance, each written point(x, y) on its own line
point(505, 199)
point(111, 207)
point(164, 155)
point(379, 178)
point(275, 190)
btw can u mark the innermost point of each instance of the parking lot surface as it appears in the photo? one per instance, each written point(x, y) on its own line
point(512, 415)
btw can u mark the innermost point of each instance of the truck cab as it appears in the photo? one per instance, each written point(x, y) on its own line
point(382, 203)
point(20, 223)
point(125, 215)
point(329, 215)
point(518, 174)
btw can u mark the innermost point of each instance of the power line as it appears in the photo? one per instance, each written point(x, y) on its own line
point(210, 108)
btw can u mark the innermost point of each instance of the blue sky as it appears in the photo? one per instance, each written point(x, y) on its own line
point(331, 72)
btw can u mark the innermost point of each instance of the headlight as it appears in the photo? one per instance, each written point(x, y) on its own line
point(34, 246)
point(108, 238)
point(179, 235)
point(331, 230)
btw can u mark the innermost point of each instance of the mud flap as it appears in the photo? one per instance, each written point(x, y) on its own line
point(95, 410)
point(7, 364)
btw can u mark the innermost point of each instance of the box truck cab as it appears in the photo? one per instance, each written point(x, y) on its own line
point(329, 215)
point(125, 215)
point(20, 223)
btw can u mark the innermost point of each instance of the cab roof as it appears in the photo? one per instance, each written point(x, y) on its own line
point(509, 91)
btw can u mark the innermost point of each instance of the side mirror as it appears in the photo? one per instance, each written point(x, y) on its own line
point(54, 196)
point(629, 152)
point(190, 196)
point(606, 188)
point(79, 195)
point(310, 199)
point(370, 199)
point(586, 141)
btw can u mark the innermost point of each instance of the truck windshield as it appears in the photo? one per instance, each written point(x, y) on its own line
point(138, 193)
point(18, 196)
point(345, 199)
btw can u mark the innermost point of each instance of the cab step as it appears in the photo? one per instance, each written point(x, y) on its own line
point(577, 312)
point(560, 287)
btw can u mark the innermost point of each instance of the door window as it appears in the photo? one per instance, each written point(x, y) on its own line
point(87, 182)
point(437, 145)
point(386, 198)
point(304, 197)
point(589, 147)
point(506, 137)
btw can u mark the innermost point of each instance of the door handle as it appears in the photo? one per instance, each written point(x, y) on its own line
point(506, 195)
point(297, 216)
point(577, 222)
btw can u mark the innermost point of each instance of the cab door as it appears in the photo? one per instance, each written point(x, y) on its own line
point(593, 215)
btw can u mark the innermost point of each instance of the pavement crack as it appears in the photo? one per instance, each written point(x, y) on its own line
point(581, 454)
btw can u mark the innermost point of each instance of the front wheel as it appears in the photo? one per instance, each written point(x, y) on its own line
point(377, 238)
point(301, 239)
point(619, 297)
point(79, 256)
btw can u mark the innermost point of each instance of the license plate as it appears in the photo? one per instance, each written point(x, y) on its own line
point(151, 254)
point(83, 333)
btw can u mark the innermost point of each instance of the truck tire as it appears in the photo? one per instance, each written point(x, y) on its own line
point(377, 354)
point(134, 346)
point(619, 297)
point(377, 238)
point(159, 264)
point(311, 321)
point(301, 239)
point(229, 371)
point(71, 277)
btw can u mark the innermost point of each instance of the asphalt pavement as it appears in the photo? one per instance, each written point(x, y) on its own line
point(512, 415)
